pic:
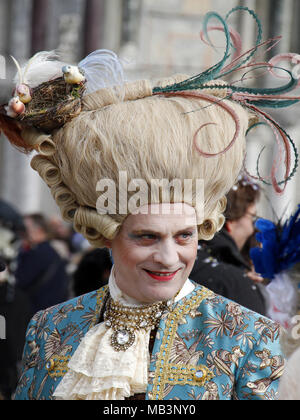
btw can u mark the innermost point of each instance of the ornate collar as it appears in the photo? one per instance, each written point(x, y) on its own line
point(126, 320)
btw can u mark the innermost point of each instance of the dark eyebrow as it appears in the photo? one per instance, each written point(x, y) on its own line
point(154, 232)
point(193, 228)
point(144, 232)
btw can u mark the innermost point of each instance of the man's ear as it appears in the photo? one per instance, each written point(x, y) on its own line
point(228, 226)
point(107, 243)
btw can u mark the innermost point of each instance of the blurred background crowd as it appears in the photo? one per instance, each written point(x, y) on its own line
point(44, 260)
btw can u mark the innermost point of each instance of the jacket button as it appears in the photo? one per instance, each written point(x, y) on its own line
point(199, 375)
point(50, 365)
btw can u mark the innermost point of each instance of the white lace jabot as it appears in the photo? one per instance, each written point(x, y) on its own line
point(98, 372)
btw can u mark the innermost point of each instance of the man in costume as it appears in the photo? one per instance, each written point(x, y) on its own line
point(122, 161)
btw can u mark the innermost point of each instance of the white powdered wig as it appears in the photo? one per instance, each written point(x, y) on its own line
point(102, 69)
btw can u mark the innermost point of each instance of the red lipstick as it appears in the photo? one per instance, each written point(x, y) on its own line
point(162, 275)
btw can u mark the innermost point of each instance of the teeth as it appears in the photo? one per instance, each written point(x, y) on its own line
point(161, 274)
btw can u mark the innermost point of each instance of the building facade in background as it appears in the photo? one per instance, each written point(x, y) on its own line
point(155, 39)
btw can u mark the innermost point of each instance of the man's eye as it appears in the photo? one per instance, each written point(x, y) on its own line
point(147, 236)
point(187, 234)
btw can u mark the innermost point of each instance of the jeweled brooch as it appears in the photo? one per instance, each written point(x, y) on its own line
point(126, 320)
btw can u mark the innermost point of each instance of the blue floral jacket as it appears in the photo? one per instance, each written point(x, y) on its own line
point(206, 348)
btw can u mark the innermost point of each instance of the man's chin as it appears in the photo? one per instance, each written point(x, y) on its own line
point(162, 294)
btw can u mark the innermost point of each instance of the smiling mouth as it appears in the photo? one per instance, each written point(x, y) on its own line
point(162, 275)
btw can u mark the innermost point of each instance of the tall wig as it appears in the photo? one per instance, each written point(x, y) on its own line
point(146, 137)
point(136, 134)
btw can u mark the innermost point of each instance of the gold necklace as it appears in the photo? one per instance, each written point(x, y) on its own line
point(126, 320)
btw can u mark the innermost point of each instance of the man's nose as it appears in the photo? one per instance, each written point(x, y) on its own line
point(167, 254)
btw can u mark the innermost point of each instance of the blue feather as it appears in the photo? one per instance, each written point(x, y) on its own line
point(280, 246)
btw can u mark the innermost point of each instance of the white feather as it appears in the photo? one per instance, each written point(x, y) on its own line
point(102, 69)
point(40, 68)
point(19, 76)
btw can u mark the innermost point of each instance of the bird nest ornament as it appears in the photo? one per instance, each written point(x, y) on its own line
point(48, 92)
point(47, 95)
point(53, 104)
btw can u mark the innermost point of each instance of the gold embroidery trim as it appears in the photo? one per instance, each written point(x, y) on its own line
point(162, 369)
point(57, 365)
point(188, 374)
point(99, 301)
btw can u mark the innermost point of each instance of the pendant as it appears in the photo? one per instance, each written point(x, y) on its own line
point(121, 340)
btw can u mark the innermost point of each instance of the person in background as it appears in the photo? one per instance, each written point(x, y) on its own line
point(274, 258)
point(92, 271)
point(41, 271)
point(223, 264)
point(277, 259)
point(2, 264)
point(61, 236)
point(15, 313)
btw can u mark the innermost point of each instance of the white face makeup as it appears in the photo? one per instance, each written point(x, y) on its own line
point(155, 253)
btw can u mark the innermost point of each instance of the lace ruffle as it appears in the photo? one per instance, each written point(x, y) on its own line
point(98, 372)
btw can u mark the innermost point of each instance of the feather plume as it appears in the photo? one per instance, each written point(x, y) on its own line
point(280, 246)
point(102, 69)
point(40, 68)
point(252, 97)
point(18, 79)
